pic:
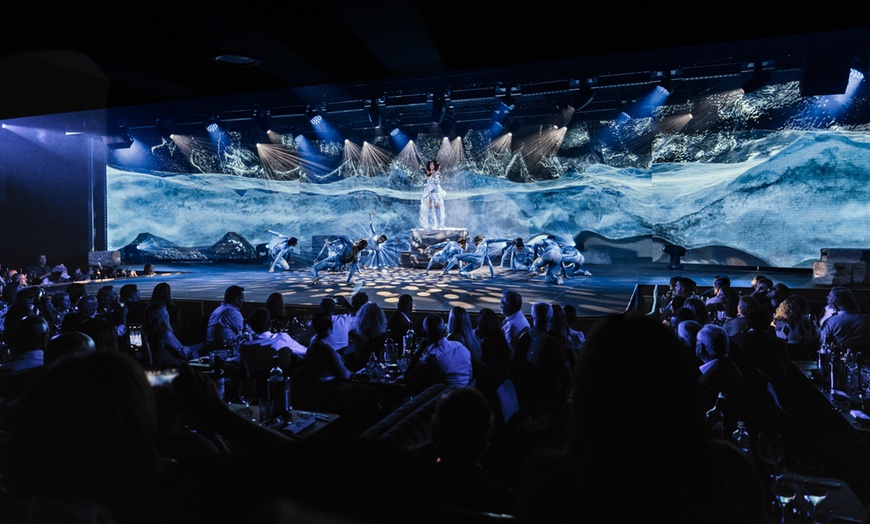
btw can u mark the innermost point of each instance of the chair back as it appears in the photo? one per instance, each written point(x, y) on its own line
point(508, 403)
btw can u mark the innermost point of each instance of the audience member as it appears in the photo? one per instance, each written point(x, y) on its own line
point(540, 371)
point(277, 312)
point(496, 354)
point(462, 429)
point(723, 304)
point(758, 348)
point(699, 311)
point(369, 335)
point(778, 292)
point(39, 274)
point(314, 384)
point(162, 292)
point(578, 336)
point(342, 323)
point(687, 332)
point(846, 324)
point(560, 331)
point(256, 354)
point(67, 345)
point(627, 360)
point(400, 320)
point(792, 323)
point(739, 323)
point(460, 329)
point(226, 323)
point(160, 342)
point(32, 334)
point(515, 321)
point(131, 299)
point(102, 332)
point(438, 359)
point(719, 374)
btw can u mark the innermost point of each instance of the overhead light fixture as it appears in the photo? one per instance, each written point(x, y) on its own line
point(760, 77)
point(164, 127)
point(439, 105)
point(261, 119)
point(375, 112)
point(117, 135)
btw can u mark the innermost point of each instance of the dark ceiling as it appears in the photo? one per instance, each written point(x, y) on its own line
point(158, 58)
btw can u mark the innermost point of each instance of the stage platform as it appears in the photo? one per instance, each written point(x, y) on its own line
point(610, 289)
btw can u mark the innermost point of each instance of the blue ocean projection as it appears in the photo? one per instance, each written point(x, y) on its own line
point(746, 191)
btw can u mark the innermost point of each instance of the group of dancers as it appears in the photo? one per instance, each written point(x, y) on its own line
point(550, 257)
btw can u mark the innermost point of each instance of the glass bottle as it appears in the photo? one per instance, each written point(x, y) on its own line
point(408, 343)
point(740, 437)
point(389, 349)
point(716, 416)
point(824, 359)
point(277, 391)
point(219, 376)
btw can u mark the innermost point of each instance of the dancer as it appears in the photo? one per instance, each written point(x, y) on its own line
point(445, 252)
point(518, 255)
point(432, 203)
point(573, 258)
point(474, 260)
point(347, 256)
point(549, 258)
point(281, 249)
point(373, 255)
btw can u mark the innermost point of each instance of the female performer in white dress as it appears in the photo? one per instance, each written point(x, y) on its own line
point(432, 203)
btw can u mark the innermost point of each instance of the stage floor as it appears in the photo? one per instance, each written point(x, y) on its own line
point(608, 290)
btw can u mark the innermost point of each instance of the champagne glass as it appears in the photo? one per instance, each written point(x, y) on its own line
point(770, 450)
point(785, 493)
point(814, 494)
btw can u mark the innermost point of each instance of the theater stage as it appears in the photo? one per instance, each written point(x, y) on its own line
point(612, 288)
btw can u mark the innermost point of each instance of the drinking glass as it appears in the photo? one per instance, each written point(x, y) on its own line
point(814, 494)
point(785, 492)
point(770, 450)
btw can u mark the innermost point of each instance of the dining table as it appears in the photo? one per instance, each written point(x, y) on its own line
point(839, 503)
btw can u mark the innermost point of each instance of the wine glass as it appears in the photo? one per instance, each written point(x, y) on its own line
point(771, 451)
point(785, 492)
point(814, 494)
point(247, 395)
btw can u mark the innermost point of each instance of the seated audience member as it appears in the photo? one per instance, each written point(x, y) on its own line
point(342, 323)
point(61, 305)
point(673, 453)
point(162, 292)
point(578, 336)
point(792, 323)
point(541, 371)
point(367, 336)
point(277, 312)
point(723, 304)
point(719, 374)
point(762, 287)
point(256, 354)
point(131, 298)
point(684, 287)
point(66, 345)
point(161, 346)
point(460, 329)
point(226, 322)
point(844, 323)
point(400, 321)
point(778, 292)
point(759, 349)
point(438, 359)
point(687, 332)
point(462, 429)
point(32, 334)
point(495, 352)
point(739, 324)
point(699, 311)
point(515, 321)
point(102, 332)
point(560, 331)
point(39, 274)
point(315, 383)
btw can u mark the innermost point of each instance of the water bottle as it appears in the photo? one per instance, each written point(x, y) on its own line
point(716, 417)
point(824, 360)
point(277, 392)
point(408, 343)
point(740, 437)
point(389, 350)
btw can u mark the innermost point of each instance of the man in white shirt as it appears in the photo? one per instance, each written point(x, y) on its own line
point(442, 360)
point(515, 322)
point(256, 354)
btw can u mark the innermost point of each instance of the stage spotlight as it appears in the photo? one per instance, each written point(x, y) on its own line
point(759, 78)
point(212, 124)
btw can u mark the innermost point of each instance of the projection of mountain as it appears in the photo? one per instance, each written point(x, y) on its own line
point(777, 196)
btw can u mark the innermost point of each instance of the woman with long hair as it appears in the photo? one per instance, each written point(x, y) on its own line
point(162, 292)
point(369, 334)
point(162, 345)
